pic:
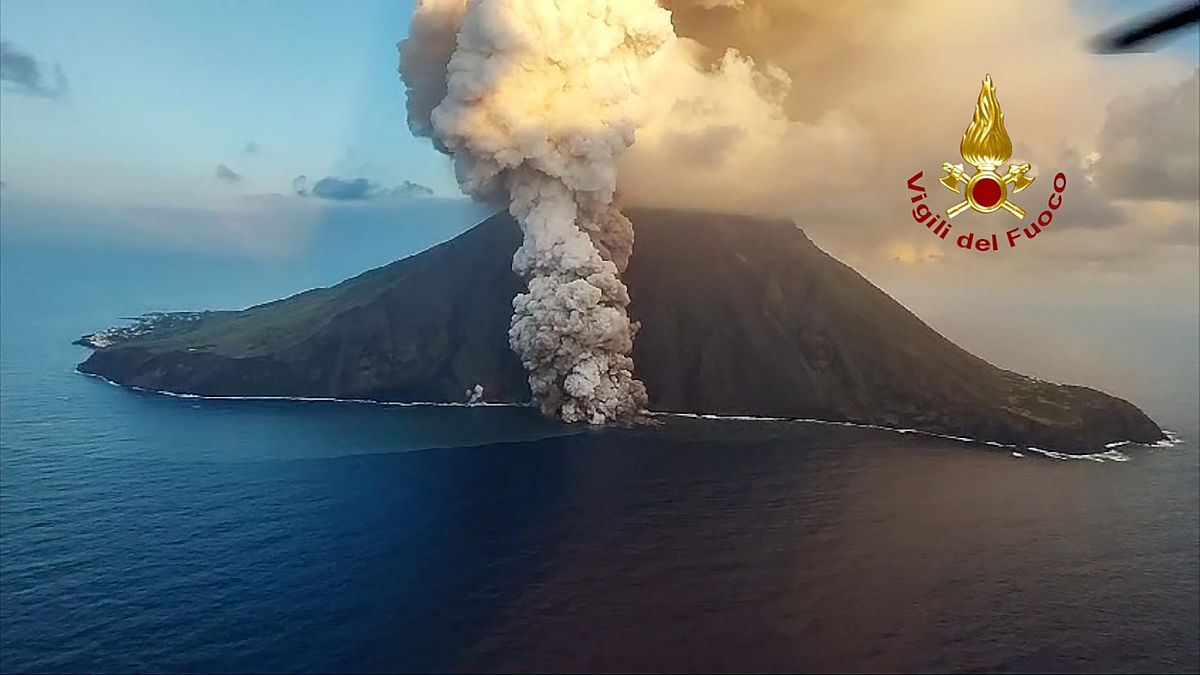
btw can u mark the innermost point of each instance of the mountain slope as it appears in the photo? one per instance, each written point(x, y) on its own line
point(738, 315)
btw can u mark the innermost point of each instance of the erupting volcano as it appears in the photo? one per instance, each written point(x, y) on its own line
point(535, 101)
point(738, 316)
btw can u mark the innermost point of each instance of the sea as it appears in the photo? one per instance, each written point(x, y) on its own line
point(141, 532)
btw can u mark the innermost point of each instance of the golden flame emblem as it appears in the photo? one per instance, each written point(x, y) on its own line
point(986, 143)
point(986, 146)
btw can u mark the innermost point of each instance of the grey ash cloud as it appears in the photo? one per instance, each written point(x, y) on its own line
point(334, 188)
point(22, 74)
point(227, 175)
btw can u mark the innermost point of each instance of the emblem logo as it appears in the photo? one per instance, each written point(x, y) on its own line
point(986, 146)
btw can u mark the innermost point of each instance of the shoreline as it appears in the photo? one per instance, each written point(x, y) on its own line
point(1111, 453)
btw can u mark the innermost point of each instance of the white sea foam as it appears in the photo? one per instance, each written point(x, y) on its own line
point(1172, 439)
point(312, 399)
point(1101, 457)
point(1110, 454)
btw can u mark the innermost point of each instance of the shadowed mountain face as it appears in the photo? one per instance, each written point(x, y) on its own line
point(738, 316)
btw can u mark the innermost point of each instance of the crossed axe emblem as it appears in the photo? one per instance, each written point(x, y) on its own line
point(985, 191)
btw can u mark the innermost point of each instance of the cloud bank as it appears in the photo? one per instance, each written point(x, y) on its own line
point(24, 75)
point(338, 189)
point(226, 174)
point(1149, 147)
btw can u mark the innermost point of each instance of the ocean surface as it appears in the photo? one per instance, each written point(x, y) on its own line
point(147, 533)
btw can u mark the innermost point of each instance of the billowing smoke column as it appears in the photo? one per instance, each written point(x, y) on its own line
point(535, 100)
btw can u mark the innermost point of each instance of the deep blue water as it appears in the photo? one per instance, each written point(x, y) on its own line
point(147, 533)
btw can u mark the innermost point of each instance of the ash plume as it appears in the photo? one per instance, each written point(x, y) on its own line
point(535, 101)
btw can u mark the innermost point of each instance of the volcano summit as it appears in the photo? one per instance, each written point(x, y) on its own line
point(738, 316)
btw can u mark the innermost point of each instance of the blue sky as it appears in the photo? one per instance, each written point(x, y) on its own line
point(161, 92)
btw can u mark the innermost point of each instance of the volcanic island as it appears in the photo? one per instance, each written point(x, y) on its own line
point(738, 316)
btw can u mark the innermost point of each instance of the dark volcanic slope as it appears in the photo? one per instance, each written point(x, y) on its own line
point(738, 316)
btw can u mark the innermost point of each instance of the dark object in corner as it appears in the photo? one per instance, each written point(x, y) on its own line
point(1135, 35)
